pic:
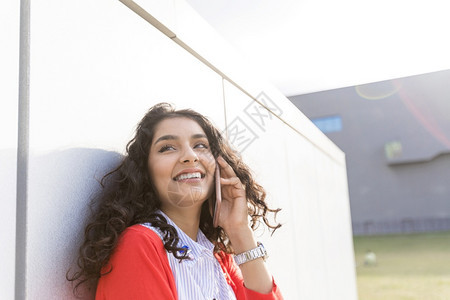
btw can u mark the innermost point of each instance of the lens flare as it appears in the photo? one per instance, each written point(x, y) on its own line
point(378, 90)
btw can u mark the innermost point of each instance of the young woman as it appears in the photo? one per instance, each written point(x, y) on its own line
point(152, 234)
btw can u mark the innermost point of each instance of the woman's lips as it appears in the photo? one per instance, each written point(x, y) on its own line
point(191, 174)
point(188, 176)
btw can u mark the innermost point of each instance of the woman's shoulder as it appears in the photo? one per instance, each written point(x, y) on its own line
point(140, 234)
point(138, 268)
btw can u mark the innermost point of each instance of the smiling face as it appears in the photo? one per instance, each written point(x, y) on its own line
point(181, 164)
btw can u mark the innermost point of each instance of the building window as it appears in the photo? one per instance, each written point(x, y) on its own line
point(328, 124)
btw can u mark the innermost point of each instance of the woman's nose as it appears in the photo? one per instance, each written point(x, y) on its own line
point(188, 155)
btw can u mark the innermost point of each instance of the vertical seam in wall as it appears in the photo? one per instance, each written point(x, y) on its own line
point(22, 151)
point(224, 108)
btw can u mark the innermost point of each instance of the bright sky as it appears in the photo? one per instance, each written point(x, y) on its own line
point(305, 46)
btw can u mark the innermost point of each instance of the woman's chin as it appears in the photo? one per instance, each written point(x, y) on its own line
point(194, 196)
point(183, 194)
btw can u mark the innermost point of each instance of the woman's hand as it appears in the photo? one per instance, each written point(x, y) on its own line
point(233, 216)
point(234, 211)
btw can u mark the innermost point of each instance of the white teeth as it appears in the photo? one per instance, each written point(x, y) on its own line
point(188, 176)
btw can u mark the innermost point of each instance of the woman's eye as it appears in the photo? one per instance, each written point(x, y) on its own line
point(165, 148)
point(201, 145)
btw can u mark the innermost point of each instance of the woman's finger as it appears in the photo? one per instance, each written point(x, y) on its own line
point(231, 181)
point(225, 168)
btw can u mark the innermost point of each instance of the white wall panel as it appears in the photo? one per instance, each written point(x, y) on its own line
point(314, 245)
point(336, 227)
point(303, 180)
point(9, 88)
point(93, 77)
point(90, 64)
point(263, 148)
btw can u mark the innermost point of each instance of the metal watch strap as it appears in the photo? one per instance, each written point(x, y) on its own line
point(250, 255)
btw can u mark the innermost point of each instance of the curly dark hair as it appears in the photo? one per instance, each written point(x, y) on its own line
point(128, 197)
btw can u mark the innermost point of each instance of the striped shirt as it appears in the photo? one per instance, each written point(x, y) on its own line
point(200, 276)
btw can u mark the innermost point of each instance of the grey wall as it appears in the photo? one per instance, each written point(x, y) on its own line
point(408, 190)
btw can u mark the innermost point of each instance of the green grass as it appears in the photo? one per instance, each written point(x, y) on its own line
point(409, 267)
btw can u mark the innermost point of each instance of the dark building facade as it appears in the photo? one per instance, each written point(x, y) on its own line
point(396, 136)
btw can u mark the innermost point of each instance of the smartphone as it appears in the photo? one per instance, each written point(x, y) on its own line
point(216, 205)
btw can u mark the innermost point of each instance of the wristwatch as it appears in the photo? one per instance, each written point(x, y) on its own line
point(250, 255)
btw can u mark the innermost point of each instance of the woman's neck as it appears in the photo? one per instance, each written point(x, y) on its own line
point(187, 220)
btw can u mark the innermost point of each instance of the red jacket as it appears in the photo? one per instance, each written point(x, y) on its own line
point(141, 270)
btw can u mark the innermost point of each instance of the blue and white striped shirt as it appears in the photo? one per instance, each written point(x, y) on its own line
point(201, 276)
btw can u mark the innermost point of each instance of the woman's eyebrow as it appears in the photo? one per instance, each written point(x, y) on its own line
point(175, 137)
point(166, 138)
point(199, 136)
